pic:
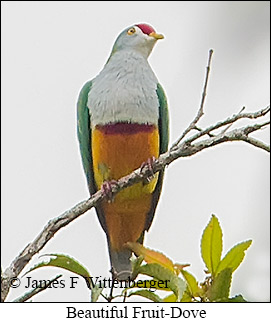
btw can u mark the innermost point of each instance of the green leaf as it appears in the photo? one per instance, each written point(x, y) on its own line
point(211, 245)
point(136, 263)
point(147, 294)
point(151, 256)
point(220, 288)
point(171, 298)
point(64, 262)
point(186, 298)
point(174, 283)
point(96, 292)
point(237, 299)
point(234, 257)
point(192, 283)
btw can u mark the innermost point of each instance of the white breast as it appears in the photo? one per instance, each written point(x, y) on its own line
point(124, 91)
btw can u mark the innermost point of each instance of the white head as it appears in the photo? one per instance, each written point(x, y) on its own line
point(140, 38)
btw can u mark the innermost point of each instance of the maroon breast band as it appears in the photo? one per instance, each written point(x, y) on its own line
point(125, 128)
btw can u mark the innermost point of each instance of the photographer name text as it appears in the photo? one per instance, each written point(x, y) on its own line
point(96, 281)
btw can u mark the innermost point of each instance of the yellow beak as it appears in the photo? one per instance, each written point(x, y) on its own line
point(156, 36)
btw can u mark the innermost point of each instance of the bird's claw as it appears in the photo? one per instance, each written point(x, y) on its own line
point(149, 165)
point(107, 189)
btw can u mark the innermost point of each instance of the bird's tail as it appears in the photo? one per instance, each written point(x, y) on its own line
point(121, 263)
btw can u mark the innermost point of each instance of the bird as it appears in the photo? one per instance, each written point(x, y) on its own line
point(122, 123)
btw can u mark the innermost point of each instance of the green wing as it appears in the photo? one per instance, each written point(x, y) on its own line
point(84, 135)
point(164, 137)
point(163, 119)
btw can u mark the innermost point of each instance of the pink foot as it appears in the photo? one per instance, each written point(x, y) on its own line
point(149, 165)
point(107, 189)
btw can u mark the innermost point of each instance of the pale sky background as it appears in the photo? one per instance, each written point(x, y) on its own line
point(50, 49)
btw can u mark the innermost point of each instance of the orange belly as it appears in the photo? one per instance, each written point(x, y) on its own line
point(117, 150)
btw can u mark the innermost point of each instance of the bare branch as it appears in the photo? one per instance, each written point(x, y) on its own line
point(228, 127)
point(45, 235)
point(230, 120)
point(257, 143)
point(200, 111)
point(185, 149)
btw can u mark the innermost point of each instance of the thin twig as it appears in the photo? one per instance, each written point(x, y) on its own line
point(230, 120)
point(124, 296)
point(228, 127)
point(200, 130)
point(200, 111)
point(110, 297)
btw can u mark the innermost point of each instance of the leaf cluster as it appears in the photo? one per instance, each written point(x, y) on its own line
point(159, 268)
